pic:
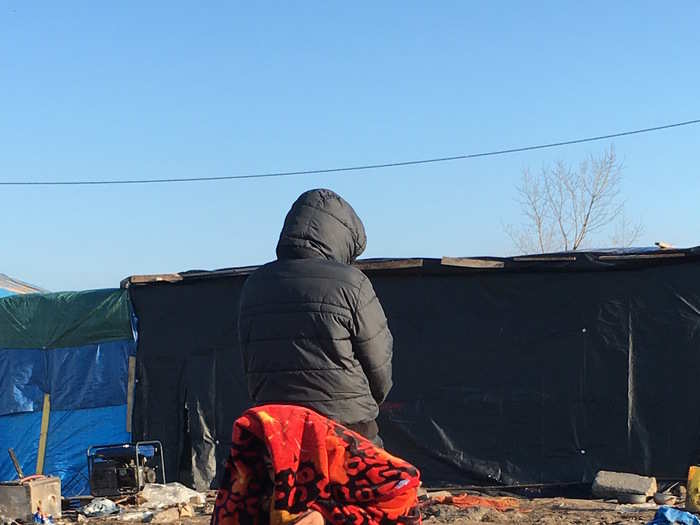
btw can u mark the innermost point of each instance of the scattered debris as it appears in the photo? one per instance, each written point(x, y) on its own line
point(42, 518)
point(100, 507)
point(167, 516)
point(664, 498)
point(679, 491)
point(186, 511)
point(139, 516)
point(168, 503)
point(157, 496)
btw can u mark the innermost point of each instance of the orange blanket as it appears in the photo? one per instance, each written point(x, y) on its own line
point(465, 501)
point(285, 460)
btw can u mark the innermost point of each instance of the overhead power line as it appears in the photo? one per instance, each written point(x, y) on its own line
point(360, 167)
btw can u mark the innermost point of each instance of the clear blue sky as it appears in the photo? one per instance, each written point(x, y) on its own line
point(169, 89)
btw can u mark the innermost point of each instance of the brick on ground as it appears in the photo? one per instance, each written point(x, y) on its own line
point(612, 484)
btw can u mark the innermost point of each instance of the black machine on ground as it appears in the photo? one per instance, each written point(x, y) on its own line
point(123, 469)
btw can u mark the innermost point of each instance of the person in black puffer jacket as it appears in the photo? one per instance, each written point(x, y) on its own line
point(311, 329)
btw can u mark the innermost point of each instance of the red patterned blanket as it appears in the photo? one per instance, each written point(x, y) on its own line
point(286, 460)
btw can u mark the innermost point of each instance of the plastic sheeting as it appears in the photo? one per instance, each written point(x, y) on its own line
point(86, 382)
point(87, 386)
point(536, 373)
point(545, 377)
point(24, 380)
point(88, 376)
point(190, 387)
point(20, 432)
point(64, 319)
point(71, 432)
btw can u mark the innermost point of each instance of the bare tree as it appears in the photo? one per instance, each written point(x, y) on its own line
point(537, 234)
point(626, 233)
point(564, 207)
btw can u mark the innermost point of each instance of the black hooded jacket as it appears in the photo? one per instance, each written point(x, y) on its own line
point(312, 331)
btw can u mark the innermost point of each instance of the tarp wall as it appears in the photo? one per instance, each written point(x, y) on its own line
point(544, 373)
point(74, 346)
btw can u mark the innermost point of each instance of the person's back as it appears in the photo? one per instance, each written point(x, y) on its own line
point(311, 329)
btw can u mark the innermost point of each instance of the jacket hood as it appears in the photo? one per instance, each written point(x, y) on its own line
point(322, 224)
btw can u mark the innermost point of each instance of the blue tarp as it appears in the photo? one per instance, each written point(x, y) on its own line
point(86, 383)
point(70, 434)
point(83, 377)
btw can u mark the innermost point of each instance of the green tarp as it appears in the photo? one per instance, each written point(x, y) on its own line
point(64, 319)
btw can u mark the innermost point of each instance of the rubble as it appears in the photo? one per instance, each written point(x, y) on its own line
point(556, 511)
point(158, 496)
point(438, 507)
point(186, 511)
point(100, 507)
point(167, 516)
point(138, 516)
point(169, 503)
point(664, 498)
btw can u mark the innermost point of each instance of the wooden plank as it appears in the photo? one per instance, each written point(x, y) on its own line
point(641, 256)
point(130, 392)
point(46, 410)
point(545, 259)
point(154, 278)
point(15, 462)
point(391, 264)
point(466, 262)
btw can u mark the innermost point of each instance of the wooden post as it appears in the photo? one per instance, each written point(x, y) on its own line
point(46, 411)
point(130, 393)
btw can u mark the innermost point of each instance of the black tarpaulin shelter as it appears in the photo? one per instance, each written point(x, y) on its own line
point(537, 369)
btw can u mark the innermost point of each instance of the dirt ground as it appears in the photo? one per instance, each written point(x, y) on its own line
point(552, 511)
point(541, 511)
point(544, 511)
